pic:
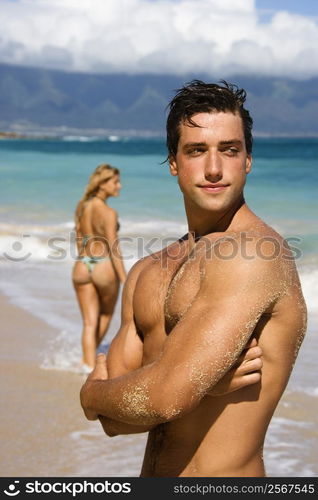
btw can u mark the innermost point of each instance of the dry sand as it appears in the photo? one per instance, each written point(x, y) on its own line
point(40, 407)
point(44, 432)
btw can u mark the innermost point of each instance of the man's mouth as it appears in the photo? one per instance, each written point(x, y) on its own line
point(213, 187)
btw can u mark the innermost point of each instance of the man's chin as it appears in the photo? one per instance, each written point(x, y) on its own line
point(214, 206)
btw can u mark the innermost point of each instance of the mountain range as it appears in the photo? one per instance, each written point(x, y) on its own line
point(42, 99)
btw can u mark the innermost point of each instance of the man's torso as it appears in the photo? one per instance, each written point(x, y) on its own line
point(224, 435)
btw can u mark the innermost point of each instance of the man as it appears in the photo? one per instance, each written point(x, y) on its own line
point(191, 309)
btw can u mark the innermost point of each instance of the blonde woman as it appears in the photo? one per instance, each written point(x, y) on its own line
point(99, 270)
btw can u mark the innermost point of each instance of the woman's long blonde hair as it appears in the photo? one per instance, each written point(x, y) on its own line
point(101, 174)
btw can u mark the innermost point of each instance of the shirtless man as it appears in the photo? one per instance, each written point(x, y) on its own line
point(191, 309)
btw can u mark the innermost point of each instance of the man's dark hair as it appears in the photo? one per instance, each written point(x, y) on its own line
point(199, 97)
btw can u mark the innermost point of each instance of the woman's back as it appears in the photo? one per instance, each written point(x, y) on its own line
point(93, 227)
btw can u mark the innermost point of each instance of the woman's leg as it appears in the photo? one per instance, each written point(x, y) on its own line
point(107, 284)
point(88, 300)
point(108, 301)
point(89, 304)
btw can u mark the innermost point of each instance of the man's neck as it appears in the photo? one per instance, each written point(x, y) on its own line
point(203, 222)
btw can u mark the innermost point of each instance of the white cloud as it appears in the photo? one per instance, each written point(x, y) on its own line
point(217, 37)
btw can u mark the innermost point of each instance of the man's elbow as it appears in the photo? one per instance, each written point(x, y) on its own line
point(108, 426)
point(84, 397)
point(171, 404)
point(110, 431)
point(112, 434)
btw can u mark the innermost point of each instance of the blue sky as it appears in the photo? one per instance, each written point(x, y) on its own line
point(307, 7)
point(264, 37)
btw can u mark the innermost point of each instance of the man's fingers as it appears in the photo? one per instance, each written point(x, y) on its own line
point(100, 358)
point(100, 369)
point(251, 353)
point(251, 343)
point(250, 366)
point(247, 355)
point(100, 366)
point(250, 379)
point(238, 382)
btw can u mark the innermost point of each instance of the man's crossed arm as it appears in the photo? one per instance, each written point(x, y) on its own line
point(199, 351)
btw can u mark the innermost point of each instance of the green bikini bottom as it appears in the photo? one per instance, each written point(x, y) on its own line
point(90, 262)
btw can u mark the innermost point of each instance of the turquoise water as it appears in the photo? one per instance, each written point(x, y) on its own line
point(51, 175)
point(41, 182)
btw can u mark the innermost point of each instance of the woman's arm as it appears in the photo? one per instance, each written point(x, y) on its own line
point(110, 223)
point(79, 236)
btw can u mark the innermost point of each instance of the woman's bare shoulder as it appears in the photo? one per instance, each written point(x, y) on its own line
point(101, 207)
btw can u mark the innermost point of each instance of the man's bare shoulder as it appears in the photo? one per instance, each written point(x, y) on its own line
point(170, 251)
point(256, 257)
point(137, 268)
point(258, 242)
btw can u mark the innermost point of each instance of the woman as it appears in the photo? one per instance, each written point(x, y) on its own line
point(99, 270)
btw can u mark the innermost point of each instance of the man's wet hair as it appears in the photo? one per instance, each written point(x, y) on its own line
point(199, 97)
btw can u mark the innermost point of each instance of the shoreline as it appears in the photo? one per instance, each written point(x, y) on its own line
point(42, 406)
point(44, 432)
point(55, 133)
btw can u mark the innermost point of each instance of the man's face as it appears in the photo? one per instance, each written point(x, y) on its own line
point(211, 161)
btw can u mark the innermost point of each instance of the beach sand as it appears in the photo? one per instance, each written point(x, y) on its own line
point(44, 431)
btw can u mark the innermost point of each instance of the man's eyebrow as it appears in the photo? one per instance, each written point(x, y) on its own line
point(231, 141)
point(193, 144)
point(238, 142)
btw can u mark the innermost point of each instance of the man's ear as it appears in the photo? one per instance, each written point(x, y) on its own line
point(173, 166)
point(248, 164)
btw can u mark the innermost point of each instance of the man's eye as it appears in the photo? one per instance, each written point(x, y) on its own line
point(232, 151)
point(195, 151)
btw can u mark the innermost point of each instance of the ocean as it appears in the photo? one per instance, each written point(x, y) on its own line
point(41, 182)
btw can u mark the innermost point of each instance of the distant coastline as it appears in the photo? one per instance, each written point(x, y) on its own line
point(11, 135)
point(46, 133)
point(62, 133)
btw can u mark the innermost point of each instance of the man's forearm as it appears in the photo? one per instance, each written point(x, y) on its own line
point(156, 393)
point(126, 399)
point(115, 428)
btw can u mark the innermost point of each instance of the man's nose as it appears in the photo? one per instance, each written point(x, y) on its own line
point(213, 166)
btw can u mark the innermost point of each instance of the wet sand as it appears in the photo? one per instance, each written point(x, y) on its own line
point(44, 432)
point(41, 406)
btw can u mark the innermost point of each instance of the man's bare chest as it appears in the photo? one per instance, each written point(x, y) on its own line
point(163, 293)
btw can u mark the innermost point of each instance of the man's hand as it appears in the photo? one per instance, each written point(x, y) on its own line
point(246, 371)
point(99, 373)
